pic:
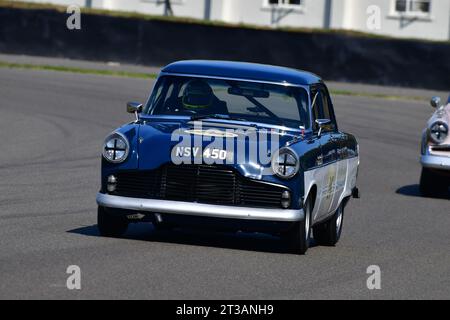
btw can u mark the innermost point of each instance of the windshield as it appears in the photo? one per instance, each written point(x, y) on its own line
point(228, 99)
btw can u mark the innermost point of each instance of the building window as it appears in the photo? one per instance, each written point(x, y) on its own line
point(284, 3)
point(413, 7)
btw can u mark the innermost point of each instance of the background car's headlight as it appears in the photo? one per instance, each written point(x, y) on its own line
point(438, 132)
point(285, 163)
point(116, 148)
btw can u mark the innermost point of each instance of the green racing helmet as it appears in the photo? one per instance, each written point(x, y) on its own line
point(197, 95)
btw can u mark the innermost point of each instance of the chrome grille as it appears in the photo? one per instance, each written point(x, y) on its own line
point(198, 183)
point(442, 148)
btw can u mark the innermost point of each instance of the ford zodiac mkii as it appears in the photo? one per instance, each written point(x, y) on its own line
point(231, 146)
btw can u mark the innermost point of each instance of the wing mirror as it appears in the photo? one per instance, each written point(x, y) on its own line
point(435, 102)
point(322, 123)
point(134, 107)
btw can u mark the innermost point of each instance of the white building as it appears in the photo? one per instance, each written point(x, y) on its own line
point(425, 19)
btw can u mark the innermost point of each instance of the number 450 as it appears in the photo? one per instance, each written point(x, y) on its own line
point(215, 154)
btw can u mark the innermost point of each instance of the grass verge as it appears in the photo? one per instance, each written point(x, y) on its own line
point(153, 76)
point(376, 95)
point(78, 70)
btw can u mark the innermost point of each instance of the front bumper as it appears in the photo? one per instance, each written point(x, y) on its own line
point(435, 162)
point(198, 209)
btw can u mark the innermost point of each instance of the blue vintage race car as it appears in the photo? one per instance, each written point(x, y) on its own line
point(233, 146)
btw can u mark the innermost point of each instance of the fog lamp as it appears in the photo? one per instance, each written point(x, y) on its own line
point(285, 199)
point(112, 183)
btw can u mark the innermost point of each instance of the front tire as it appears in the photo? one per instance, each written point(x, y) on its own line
point(300, 234)
point(329, 232)
point(110, 225)
point(431, 184)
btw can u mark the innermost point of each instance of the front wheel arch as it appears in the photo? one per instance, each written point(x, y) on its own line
point(312, 196)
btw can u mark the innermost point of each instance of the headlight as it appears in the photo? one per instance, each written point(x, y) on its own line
point(285, 163)
point(116, 148)
point(438, 132)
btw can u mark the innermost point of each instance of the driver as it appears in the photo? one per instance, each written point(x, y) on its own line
point(199, 98)
point(197, 95)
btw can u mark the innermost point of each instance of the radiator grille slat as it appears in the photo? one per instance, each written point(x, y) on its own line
point(444, 147)
point(198, 183)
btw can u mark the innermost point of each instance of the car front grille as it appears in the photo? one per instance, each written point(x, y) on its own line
point(198, 183)
point(443, 148)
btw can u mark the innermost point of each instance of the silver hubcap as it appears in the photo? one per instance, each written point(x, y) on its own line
point(307, 217)
point(339, 221)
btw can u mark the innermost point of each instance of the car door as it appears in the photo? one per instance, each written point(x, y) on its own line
point(326, 163)
point(337, 139)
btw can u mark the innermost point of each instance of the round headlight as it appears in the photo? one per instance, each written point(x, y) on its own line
point(285, 163)
point(438, 132)
point(116, 148)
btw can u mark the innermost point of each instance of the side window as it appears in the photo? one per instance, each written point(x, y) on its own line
point(316, 108)
point(327, 108)
point(325, 104)
point(322, 108)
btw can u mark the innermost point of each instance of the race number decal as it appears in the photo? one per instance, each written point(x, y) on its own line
point(207, 155)
point(215, 154)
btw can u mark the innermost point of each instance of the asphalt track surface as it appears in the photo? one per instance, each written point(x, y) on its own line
point(52, 125)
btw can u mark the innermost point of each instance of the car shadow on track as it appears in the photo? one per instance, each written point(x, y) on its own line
point(413, 190)
point(238, 241)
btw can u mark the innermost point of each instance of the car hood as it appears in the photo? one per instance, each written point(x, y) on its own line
point(159, 137)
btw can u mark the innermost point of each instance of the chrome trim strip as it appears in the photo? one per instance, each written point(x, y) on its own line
point(287, 84)
point(199, 209)
point(435, 162)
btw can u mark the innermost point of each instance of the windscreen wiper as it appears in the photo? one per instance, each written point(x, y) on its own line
point(216, 116)
point(265, 110)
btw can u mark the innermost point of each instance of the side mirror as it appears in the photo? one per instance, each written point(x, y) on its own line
point(134, 107)
point(322, 123)
point(435, 102)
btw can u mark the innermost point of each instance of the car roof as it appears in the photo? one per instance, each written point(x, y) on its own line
point(242, 70)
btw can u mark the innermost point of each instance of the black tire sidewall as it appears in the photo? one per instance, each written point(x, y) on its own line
point(432, 185)
point(110, 225)
point(325, 233)
point(299, 239)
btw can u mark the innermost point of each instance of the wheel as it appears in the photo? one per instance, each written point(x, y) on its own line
point(300, 233)
point(110, 225)
point(431, 184)
point(328, 233)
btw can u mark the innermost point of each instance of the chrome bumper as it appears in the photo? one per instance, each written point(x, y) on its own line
point(435, 162)
point(198, 209)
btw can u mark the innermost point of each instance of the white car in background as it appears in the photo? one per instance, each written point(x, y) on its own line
point(435, 160)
